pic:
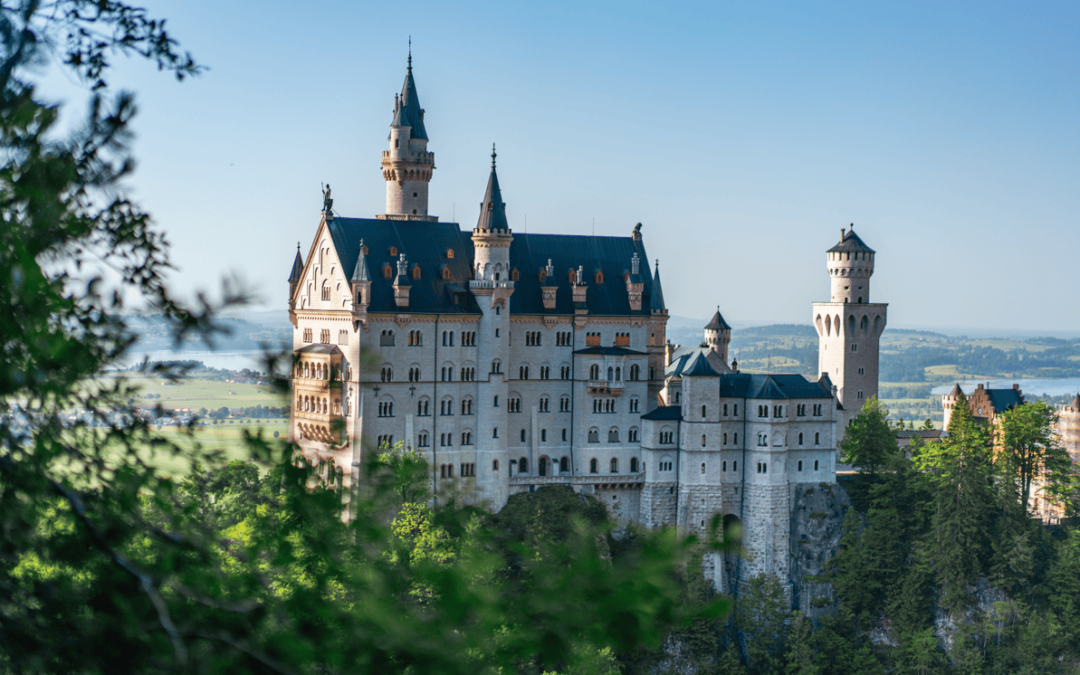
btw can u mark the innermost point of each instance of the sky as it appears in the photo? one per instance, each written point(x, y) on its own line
point(742, 136)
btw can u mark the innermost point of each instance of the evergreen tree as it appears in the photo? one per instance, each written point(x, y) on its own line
point(761, 615)
point(801, 658)
point(1030, 452)
point(960, 470)
point(869, 441)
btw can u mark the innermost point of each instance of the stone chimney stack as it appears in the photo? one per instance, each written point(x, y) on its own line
point(401, 283)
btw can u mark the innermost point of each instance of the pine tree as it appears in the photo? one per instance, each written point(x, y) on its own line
point(960, 471)
point(801, 659)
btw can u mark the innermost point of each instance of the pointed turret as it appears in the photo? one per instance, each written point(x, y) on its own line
point(718, 335)
point(407, 165)
point(493, 209)
point(1076, 402)
point(295, 275)
point(360, 272)
point(656, 299)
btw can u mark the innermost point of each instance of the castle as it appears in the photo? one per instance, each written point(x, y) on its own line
point(515, 360)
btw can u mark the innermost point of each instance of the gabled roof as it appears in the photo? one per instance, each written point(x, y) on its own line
point(492, 209)
point(1003, 399)
point(656, 299)
point(425, 243)
point(849, 241)
point(530, 252)
point(956, 391)
point(717, 323)
point(671, 413)
point(408, 112)
point(746, 385)
point(297, 267)
point(698, 366)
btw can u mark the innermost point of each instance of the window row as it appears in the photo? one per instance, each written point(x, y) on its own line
point(613, 465)
point(467, 470)
point(632, 435)
point(319, 406)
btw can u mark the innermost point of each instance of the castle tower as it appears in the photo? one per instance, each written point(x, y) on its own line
point(407, 165)
point(849, 326)
point(948, 404)
point(718, 335)
point(492, 286)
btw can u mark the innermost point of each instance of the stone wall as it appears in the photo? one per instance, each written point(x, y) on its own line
point(817, 519)
point(658, 504)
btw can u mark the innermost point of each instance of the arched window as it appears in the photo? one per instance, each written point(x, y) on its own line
point(703, 440)
point(523, 465)
point(610, 374)
point(564, 465)
point(703, 412)
point(594, 372)
point(613, 435)
point(614, 465)
point(800, 465)
point(522, 435)
point(703, 467)
point(594, 435)
point(815, 465)
point(635, 372)
point(594, 466)
point(632, 435)
point(542, 466)
point(633, 465)
point(800, 438)
point(817, 439)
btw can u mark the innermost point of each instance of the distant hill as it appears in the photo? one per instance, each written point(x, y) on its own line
point(778, 330)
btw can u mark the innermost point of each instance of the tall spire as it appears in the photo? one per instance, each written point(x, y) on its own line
point(360, 272)
point(656, 299)
point(407, 110)
point(717, 323)
point(297, 266)
point(492, 209)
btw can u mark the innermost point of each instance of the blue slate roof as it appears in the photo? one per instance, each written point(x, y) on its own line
point(717, 323)
point(746, 385)
point(698, 366)
point(492, 209)
point(408, 112)
point(671, 413)
point(1003, 399)
point(529, 254)
point(850, 241)
point(297, 266)
point(425, 244)
point(422, 242)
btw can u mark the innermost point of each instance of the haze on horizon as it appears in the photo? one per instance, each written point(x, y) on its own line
point(742, 137)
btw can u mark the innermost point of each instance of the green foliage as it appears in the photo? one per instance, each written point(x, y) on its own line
point(761, 614)
point(869, 442)
point(1030, 451)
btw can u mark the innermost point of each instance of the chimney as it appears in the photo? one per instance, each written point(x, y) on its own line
point(668, 349)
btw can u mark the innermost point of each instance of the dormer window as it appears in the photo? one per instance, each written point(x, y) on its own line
point(450, 253)
point(416, 273)
point(599, 277)
point(573, 277)
point(387, 271)
point(543, 274)
point(515, 275)
point(393, 251)
point(446, 273)
point(364, 249)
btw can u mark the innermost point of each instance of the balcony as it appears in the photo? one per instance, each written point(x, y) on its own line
point(606, 387)
point(486, 283)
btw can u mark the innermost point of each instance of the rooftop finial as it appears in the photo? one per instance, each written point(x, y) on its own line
point(410, 52)
point(297, 247)
point(493, 156)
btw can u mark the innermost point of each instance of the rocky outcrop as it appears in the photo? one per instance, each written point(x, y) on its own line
point(817, 519)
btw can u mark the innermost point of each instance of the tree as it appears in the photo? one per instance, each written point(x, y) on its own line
point(761, 614)
point(960, 471)
point(870, 441)
point(107, 567)
point(1030, 451)
point(801, 658)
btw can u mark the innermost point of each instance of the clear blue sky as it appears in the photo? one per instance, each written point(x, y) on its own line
point(743, 136)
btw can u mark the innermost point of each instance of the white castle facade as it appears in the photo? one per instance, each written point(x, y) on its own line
point(514, 361)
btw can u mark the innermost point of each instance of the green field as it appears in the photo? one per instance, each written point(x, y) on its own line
point(199, 392)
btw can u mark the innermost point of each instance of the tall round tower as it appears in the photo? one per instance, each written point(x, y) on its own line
point(851, 264)
point(407, 166)
point(718, 335)
point(849, 326)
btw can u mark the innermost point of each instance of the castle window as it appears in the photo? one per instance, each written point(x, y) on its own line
point(514, 404)
point(416, 272)
point(613, 435)
point(522, 435)
point(307, 335)
point(495, 430)
point(564, 405)
point(817, 439)
point(800, 439)
point(494, 465)
point(324, 336)
point(343, 337)
point(725, 439)
point(703, 467)
point(736, 413)
point(610, 374)
point(466, 406)
point(393, 251)
point(703, 411)
point(599, 277)
point(446, 274)
point(422, 440)
point(523, 373)
point(854, 348)
point(564, 373)
point(545, 404)
point(545, 372)
point(592, 339)
point(573, 277)
point(633, 465)
point(423, 408)
point(635, 373)
point(387, 374)
point(614, 465)
point(543, 435)
point(622, 339)
point(724, 467)
point(594, 372)
point(815, 465)
point(800, 465)
point(515, 275)
point(703, 440)
point(817, 410)
point(387, 271)
point(594, 435)
point(725, 410)
point(564, 465)
point(386, 338)
point(635, 405)
point(325, 291)
point(564, 435)
point(594, 466)
point(414, 374)
point(496, 367)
